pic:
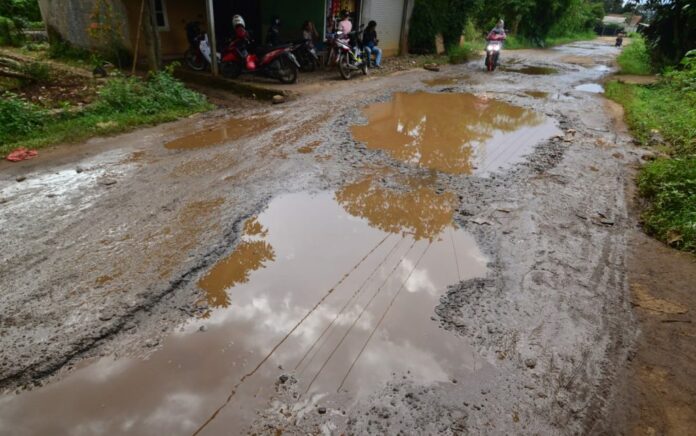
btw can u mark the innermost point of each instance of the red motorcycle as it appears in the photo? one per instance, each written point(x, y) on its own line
point(275, 62)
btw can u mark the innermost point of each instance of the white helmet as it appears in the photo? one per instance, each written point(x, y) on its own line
point(237, 20)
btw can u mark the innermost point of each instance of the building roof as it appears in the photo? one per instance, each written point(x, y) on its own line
point(614, 19)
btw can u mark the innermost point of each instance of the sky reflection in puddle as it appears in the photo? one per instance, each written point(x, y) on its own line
point(387, 254)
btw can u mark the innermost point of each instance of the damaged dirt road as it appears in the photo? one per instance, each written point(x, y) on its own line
point(416, 253)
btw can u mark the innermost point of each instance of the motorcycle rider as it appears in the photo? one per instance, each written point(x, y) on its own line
point(497, 34)
point(241, 39)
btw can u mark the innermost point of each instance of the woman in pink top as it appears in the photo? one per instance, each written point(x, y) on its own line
point(345, 25)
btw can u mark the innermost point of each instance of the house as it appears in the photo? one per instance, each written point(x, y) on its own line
point(77, 21)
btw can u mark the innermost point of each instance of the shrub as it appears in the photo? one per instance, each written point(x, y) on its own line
point(160, 92)
point(464, 53)
point(9, 33)
point(18, 117)
point(38, 71)
point(635, 58)
point(60, 49)
point(670, 186)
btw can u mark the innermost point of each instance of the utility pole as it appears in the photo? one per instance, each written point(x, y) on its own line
point(213, 39)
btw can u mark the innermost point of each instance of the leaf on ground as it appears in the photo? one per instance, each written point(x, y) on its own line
point(643, 299)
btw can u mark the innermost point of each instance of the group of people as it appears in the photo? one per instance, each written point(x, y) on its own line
point(369, 40)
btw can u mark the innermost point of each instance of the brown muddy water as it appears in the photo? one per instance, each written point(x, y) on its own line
point(445, 81)
point(537, 94)
point(336, 288)
point(230, 130)
point(531, 70)
point(453, 133)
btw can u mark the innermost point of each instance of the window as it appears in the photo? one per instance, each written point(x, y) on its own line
point(161, 15)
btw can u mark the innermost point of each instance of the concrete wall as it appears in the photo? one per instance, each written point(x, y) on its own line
point(70, 19)
point(179, 12)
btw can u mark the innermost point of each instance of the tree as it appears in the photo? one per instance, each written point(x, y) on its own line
point(672, 32)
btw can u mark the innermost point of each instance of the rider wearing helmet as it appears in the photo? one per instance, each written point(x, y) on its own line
point(239, 25)
point(498, 32)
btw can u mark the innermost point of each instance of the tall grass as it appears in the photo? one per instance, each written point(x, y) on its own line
point(635, 58)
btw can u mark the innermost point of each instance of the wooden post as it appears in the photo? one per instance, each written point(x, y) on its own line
point(151, 33)
point(213, 39)
point(137, 36)
point(403, 40)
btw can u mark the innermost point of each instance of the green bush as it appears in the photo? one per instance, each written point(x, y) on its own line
point(635, 58)
point(464, 53)
point(38, 71)
point(161, 91)
point(9, 33)
point(63, 50)
point(122, 104)
point(17, 117)
point(670, 186)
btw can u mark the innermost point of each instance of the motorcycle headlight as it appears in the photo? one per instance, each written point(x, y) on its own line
point(490, 47)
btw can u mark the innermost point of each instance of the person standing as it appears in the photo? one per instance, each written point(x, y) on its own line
point(370, 42)
point(345, 25)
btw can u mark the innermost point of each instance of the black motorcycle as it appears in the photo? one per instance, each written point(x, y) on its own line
point(306, 55)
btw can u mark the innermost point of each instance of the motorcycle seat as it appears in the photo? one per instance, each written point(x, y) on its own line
point(267, 49)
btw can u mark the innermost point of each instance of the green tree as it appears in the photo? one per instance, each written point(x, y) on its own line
point(672, 32)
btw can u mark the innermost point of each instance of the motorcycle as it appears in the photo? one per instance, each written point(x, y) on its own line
point(349, 57)
point(493, 47)
point(198, 55)
point(306, 55)
point(274, 62)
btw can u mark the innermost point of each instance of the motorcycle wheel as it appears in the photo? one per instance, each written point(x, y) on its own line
point(287, 70)
point(490, 64)
point(307, 63)
point(194, 60)
point(344, 66)
point(231, 70)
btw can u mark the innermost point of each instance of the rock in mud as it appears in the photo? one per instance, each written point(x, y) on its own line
point(21, 178)
point(283, 378)
point(530, 363)
point(278, 99)
point(321, 410)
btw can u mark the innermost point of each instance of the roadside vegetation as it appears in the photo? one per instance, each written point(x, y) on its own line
point(119, 104)
point(463, 24)
point(49, 95)
point(663, 116)
point(635, 58)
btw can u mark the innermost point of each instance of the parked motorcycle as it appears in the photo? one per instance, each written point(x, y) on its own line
point(198, 55)
point(493, 46)
point(349, 57)
point(306, 55)
point(274, 62)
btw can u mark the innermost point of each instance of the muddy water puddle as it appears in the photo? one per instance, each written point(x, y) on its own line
point(537, 94)
point(231, 130)
point(594, 88)
point(453, 133)
point(336, 288)
point(445, 81)
point(530, 70)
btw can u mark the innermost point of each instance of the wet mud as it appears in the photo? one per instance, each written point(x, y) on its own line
point(228, 131)
point(384, 283)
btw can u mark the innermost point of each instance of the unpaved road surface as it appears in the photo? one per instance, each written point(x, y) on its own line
point(336, 264)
